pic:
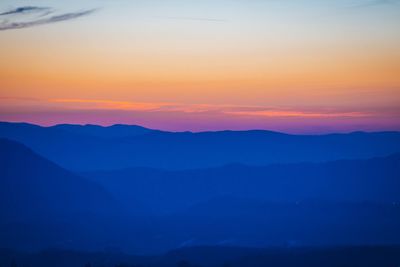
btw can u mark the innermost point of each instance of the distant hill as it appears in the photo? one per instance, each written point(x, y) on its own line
point(374, 180)
point(233, 221)
point(347, 202)
point(92, 148)
point(113, 131)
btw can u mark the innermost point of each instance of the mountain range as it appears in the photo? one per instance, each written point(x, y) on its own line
point(228, 197)
point(118, 146)
point(374, 180)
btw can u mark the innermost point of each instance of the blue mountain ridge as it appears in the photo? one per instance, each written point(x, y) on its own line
point(186, 150)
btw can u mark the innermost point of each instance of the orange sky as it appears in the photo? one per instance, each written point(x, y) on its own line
point(291, 57)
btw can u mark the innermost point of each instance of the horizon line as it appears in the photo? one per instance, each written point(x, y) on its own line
point(199, 132)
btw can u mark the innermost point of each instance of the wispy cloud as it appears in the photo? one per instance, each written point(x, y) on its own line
point(98, 104)
point(113, 105)
point(230, 110)
point(16, 98)
point(25, 9)
point(175, 116)
point(299, 114)
point(44, 18)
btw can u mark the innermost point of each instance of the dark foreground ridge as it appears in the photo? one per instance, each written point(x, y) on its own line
point(213, 257)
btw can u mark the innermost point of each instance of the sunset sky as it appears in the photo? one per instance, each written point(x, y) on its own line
point(297, 66)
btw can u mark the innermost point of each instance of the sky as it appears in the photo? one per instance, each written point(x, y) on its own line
point(296, 66)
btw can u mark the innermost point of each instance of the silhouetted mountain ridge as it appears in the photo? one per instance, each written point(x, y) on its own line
point(113, 131)
point(186, 150)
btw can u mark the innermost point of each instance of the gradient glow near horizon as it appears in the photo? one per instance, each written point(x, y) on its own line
point(299, 66)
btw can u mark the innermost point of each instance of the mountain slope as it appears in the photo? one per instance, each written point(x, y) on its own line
point(32, 187)
point(43, 205)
